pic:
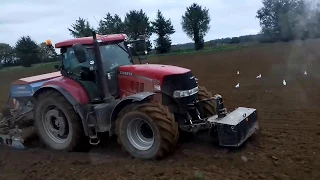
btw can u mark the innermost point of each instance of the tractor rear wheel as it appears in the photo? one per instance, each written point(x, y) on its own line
point(147, 130)
point(57, 124)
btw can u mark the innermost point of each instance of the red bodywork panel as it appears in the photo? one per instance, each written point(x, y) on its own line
point(72, 87)
point(33, 79)
point(138, 78)
point(89, 40)
point(131, 79)
point(55, 78)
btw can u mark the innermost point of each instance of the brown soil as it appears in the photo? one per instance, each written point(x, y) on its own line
point(286, 147)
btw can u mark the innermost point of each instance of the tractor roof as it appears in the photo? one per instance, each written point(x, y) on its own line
point(89, 40)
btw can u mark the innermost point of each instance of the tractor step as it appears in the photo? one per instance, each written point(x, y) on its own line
point(94, 141)
point(93, 135)
point(92, 130)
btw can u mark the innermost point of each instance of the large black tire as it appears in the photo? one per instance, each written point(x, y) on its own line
point(76, 139)
point(207, 108)
point(162, 123)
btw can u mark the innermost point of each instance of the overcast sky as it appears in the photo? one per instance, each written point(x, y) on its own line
point(50, 19)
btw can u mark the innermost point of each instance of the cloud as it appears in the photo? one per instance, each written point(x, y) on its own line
point(50, 19)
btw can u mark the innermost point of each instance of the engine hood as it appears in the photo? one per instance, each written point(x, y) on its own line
point(154, 71)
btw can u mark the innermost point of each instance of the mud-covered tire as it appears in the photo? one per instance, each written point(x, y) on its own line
point(207, 108)
point(76, 139)
point(162, 123)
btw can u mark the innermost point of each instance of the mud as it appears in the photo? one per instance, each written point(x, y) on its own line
point(287, 145)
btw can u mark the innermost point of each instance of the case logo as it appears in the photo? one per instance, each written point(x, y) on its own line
point(126, 73)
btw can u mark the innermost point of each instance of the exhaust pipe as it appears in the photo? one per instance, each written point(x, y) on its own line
point(102, 80)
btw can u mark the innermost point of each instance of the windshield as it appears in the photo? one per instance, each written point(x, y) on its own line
point(114, 55)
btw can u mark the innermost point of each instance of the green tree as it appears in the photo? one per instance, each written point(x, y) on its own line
point(316, 19)
point(27, 51)
point(111, 25)
point(6, 54)
point(47, 54)
point(284, 19)
point(195, 23)
point(314, 22)
point(81, 28)
point(235, 40)
point(137, 23)
point(163, 28)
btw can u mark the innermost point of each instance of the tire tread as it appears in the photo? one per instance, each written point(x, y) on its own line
point(79, 141)
point(164, 120)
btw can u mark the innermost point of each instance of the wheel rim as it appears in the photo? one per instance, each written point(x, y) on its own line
point(55, 124)
point(140, 134)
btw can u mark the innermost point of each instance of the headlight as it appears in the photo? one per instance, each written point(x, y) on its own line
point(185, 93)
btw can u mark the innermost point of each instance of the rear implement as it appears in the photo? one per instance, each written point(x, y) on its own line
point(16, 120)
point(236, 127)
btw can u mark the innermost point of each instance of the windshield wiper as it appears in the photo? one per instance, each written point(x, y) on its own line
point(122, 48)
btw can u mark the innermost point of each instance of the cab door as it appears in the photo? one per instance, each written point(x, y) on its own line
point(112, 81)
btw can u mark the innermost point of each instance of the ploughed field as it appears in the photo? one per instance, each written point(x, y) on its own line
point(287, 145)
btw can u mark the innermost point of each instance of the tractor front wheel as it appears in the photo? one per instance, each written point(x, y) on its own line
point(147, 130)
point(207, 108)
point(57, 124)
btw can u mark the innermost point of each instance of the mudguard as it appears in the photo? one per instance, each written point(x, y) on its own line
point(70, 87)
point(66, 94)
point(124, 102)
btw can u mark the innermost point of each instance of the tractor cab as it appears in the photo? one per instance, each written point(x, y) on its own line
point(115, 50)
point(113, 54)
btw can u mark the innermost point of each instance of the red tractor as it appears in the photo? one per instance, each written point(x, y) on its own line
point(100, 89)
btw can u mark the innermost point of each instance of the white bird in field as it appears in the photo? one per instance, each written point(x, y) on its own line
point(284, 82)
point(258, 76)
point(238, 72)
point(305, 72)
point(238, 85)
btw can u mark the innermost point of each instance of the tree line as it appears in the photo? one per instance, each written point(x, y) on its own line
point(26, 52)
point(280, 20)
point(195, 23)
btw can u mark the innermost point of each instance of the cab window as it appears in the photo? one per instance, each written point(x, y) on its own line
point(70, 61)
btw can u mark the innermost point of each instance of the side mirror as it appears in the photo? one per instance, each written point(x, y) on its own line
point(79, 52)
point(142, 51)
point(141, 47)
point(138, 47)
